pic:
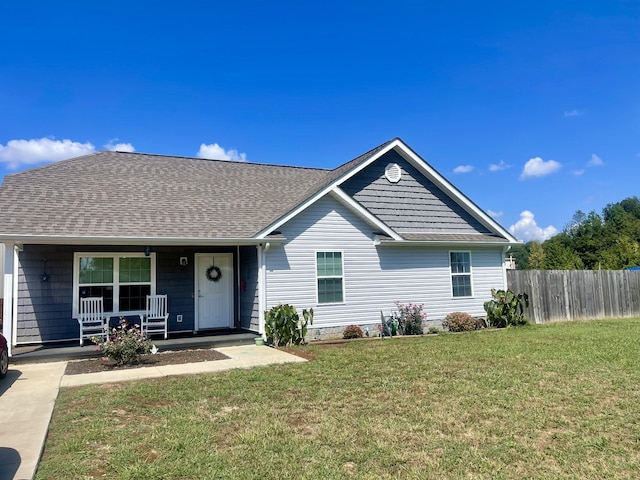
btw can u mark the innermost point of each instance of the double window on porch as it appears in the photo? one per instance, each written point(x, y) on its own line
point(123, 280)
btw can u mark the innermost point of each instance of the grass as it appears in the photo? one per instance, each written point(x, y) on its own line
point(549, 401)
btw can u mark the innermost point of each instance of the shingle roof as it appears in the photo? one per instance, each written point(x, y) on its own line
point(453, 237)
point(123, 195)
point(115, 194)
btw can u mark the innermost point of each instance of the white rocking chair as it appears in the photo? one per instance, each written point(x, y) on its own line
point(91, 319)
point(156, 318)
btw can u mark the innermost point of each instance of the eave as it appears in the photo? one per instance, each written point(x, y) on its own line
point(142, 241)
point(388, 242)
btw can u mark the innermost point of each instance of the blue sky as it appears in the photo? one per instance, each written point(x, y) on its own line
point(532, 108)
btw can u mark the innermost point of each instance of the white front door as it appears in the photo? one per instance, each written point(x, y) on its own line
point(214, 299)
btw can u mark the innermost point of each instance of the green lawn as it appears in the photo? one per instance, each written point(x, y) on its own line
point(552, 401)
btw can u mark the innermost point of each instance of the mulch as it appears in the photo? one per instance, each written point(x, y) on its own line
point(94, 365)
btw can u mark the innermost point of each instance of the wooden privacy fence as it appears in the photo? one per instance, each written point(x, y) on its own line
point(577, 294)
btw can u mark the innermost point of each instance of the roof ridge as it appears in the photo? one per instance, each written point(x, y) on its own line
point(239, 162)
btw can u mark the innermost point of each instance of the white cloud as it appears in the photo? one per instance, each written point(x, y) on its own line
point(495, 214)
point(595, 161)
point(527, 229)
point(463, 169)
point(119, 147)
point(496, 167)
point(216, 152)
point(577, 173)
point(536, 167)
point(21, 153)
point(573, 113)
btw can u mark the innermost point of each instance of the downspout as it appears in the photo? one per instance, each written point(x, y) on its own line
point(504, 266)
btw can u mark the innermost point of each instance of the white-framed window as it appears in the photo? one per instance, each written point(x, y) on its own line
point(122, 279)
point(330, 277)
point(461, 284)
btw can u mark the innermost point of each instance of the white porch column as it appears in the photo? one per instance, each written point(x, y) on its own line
point(262, 287)
point(8, 320)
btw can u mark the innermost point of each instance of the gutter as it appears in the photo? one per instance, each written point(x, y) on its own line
point(419, 243)
point(153, 241)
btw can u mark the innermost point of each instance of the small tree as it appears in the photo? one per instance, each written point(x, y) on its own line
point(506, 308)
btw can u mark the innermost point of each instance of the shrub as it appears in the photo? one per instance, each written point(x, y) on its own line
point(352, 331)
point(459, 322)
point(433, 330)
point(283, 326)
point(506, 308)
point(124, 345)
point(411, 318)
point(480, 323)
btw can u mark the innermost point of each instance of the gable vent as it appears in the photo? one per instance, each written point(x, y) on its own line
point(393, 172)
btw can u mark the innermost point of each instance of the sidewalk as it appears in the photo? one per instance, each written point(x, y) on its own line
point(28, 393)
point(244, 356)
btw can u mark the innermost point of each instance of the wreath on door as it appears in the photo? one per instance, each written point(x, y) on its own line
point(213, 273)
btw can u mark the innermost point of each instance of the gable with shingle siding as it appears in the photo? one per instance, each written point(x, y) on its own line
point(413, 205)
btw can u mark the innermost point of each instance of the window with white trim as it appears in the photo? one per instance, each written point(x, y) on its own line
point(123, 280)
point(329, 274)
point(461, 274)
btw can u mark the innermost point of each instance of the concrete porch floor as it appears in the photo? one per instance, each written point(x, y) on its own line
point(72, 351)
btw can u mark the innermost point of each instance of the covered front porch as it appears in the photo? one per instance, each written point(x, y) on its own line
point(62, 351)
point(211, 289)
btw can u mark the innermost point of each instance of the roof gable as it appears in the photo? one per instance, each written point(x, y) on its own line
point(412, 205)
point(472, 223)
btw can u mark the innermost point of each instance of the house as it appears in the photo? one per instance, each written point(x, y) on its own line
point(228, 240)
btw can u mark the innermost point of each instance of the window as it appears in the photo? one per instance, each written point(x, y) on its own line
point(123, 280)
point(461, 274)
point(330, 277)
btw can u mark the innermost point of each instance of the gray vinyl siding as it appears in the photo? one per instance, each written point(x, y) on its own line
point(249, 288)
point(45, 308)
point(374, 276)
point(414, 204)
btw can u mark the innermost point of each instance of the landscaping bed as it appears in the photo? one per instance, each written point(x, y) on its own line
point(94, 365)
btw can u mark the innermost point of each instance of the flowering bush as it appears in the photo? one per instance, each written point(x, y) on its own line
point(459, 322)
point(412, 315)
point(124, 345)
point(352, 331)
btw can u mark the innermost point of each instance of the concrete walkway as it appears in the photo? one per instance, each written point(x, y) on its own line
point(29, 391)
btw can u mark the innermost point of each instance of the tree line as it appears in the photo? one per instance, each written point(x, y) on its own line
point(610, 241)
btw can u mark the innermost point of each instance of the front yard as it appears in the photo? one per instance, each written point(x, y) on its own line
point(551, 401)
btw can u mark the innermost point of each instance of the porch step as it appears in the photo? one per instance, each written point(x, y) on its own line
point(57, 353)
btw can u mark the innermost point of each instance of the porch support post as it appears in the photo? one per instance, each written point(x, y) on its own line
point(262, 290)
point(238, 321)
point(8, 320)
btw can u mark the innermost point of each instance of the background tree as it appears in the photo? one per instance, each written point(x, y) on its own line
point(589, 241)
point(536, 255)
point(559, 254)
point(520, 254)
